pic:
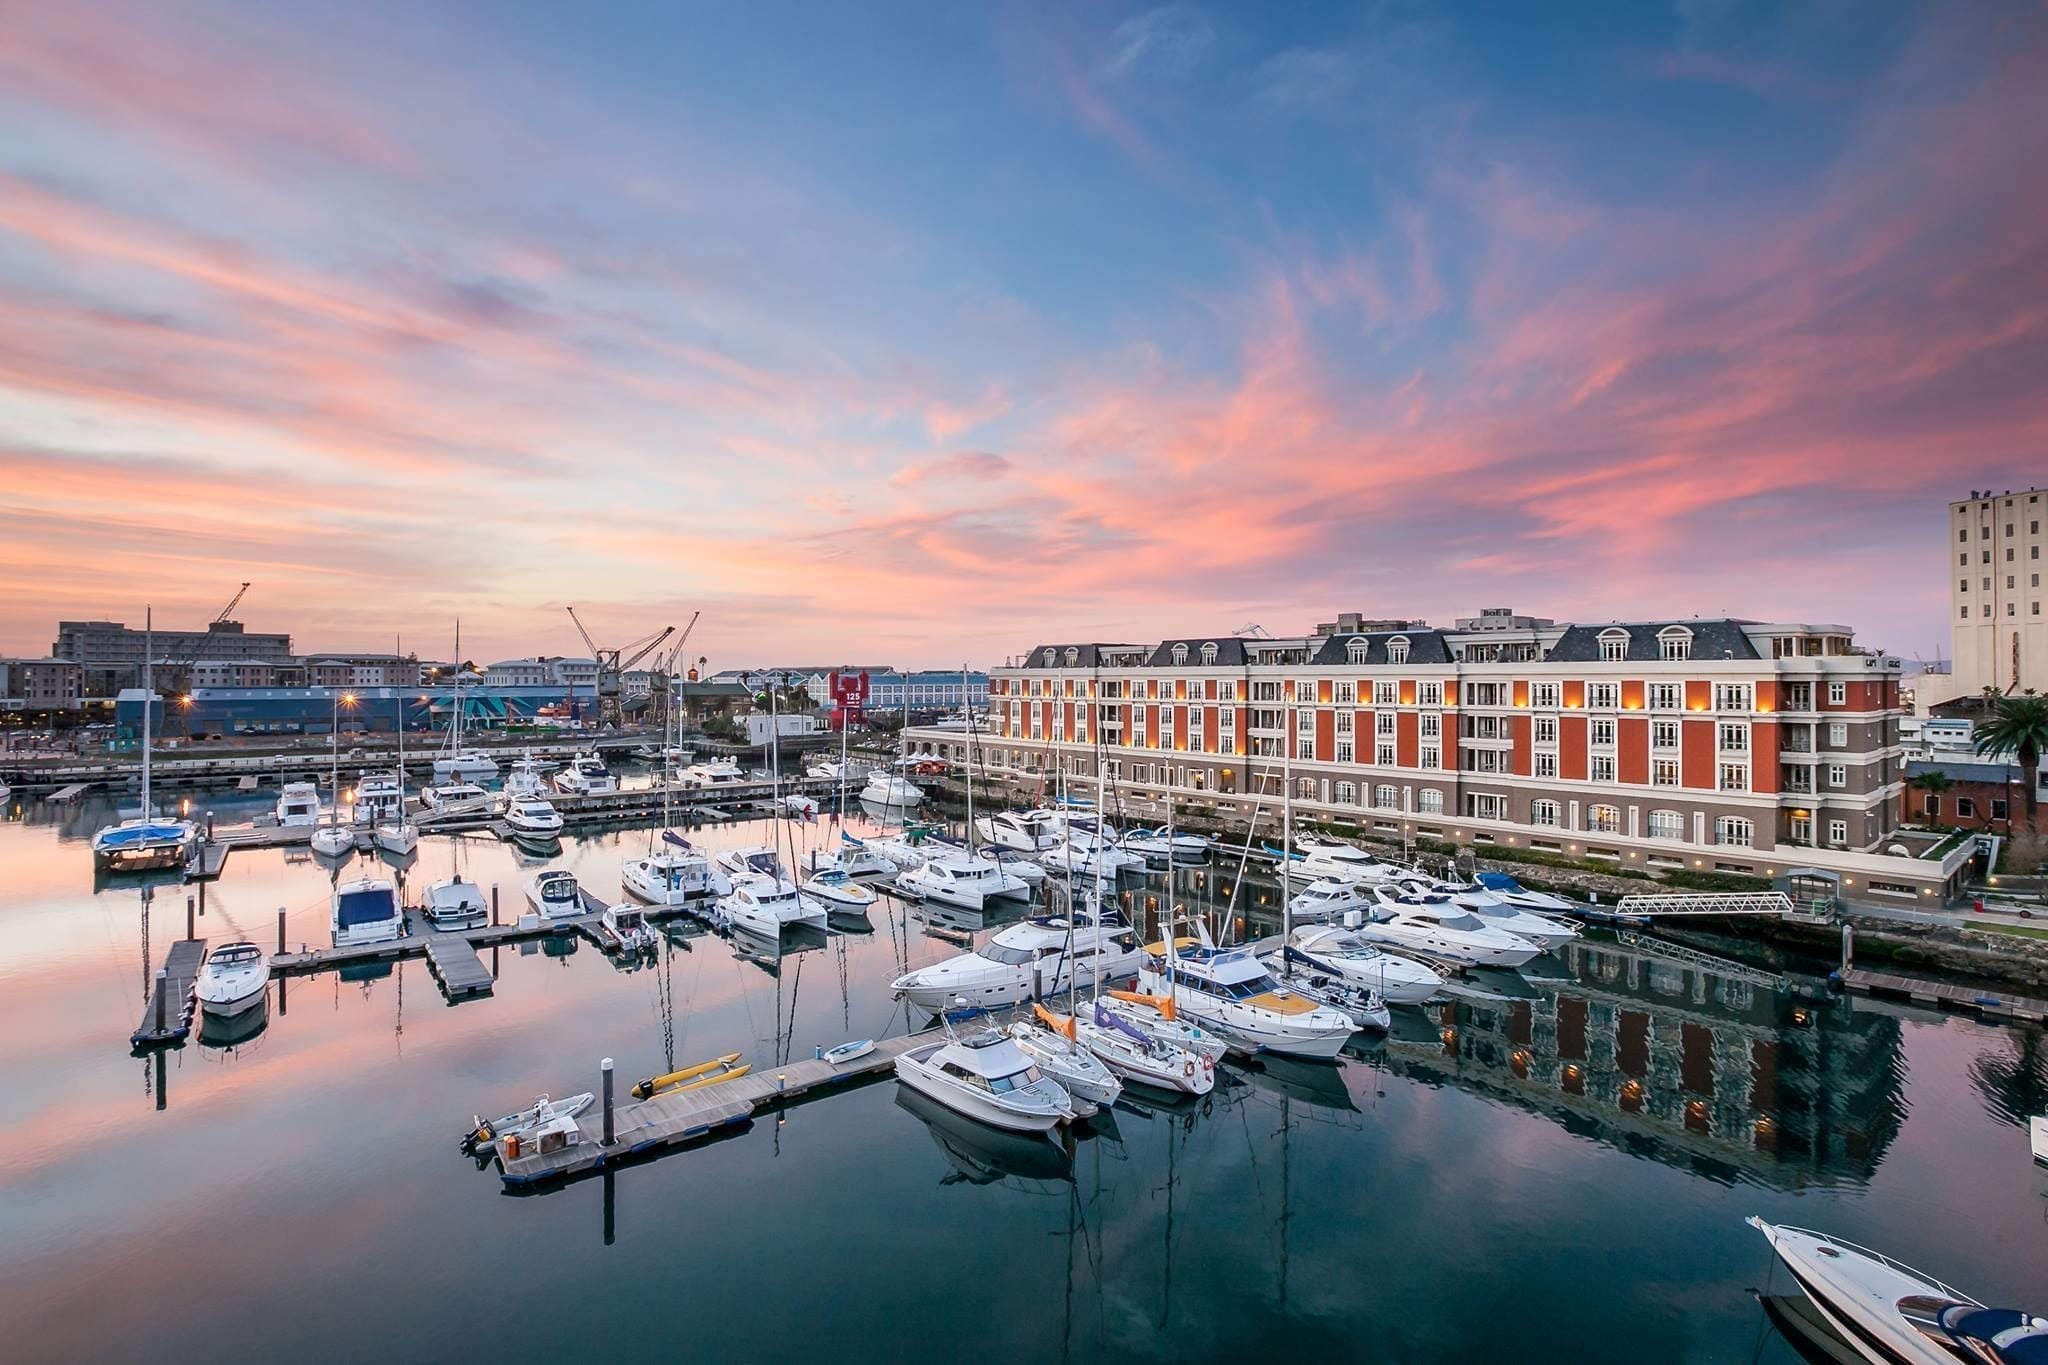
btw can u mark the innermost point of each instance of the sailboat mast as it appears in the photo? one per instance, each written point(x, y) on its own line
point(844, 727)
point(1287, 818)
point(148, 702)
point(967, 710)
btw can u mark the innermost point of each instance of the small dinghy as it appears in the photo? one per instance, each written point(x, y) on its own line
point(726, 1068)
point(847, 1052)
point(543, 1113)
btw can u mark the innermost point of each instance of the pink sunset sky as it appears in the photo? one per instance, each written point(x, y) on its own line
point(925, 333)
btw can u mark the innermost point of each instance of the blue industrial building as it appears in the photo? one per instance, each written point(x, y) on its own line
point(238, 711)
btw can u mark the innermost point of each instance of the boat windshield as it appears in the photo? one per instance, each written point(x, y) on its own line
point(1006, 955)
point(1457, 919)
point(236, 956)
point(1022, 1080)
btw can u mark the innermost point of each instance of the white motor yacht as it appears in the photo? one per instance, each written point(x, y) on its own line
point(298, 805)
point(854, 858)
point(1026, 831)
point(1018, 865)
point(455, 903)
point(1138, 1057)
point(554, 894)
point(377, 797)
point(1334, 949)
point(968, 880)
point(904, 851)
point(714, 772)
point(448, 798)
point(887, 789)
point(1328, 898)
point(468, 765)
point(1321, 857)
point(1047, 956)
point(755, 861)
point(1228, 991)
point(987, 1077)
point(526, 778)
point(677, 876)
point(236, 977)
point(531, 817)
point(1087, 858)
point(766, 905)
point(1429, 925)
point(1522, 898)
point(833, 770)
point(586, 775)
point(1159, 846)
point(624, 929)
point(837, 890)
point(366, 911)
point(1540, 930)
point(1892, 1314)
point(1080, 1072)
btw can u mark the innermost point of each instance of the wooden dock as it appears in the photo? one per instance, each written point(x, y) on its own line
point(70, 793)
point(1948, 994)
point(207, 861)
point(461, 972)
point(171, 1001)
point(642, 1126)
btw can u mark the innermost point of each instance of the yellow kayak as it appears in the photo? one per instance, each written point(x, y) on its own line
point(693, 1077)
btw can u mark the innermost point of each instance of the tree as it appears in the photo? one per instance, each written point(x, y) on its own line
point(2017, 726)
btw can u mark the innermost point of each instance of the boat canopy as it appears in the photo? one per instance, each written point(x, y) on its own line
point(365, 905)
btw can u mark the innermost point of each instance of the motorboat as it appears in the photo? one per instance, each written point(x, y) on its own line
point(1320, 857)
point(833, 770)
point(714, 772)
point(468, 765)
point(854, 858)
point(298, 806)
point(377, 797)
point(766, 905)
point(366, 911)
point(624, 929)
point(1363, 1004)
point(1430, 925)
point(455, 903)
point(554, 894)
point(1890, 1313)
point(1158, 1018)
point(1165, 846)
point(448, 798)
point(1522, 898)
point(1026, 831)
point(1340, 952)
point(1018, 865)
point(837, 890)
point(526, 778)
point(1045, 957)
point(986, 1077)
point(959, 877)
point(1540, 930)
point(1136, 1056)
point(2037, 1134)
point(236, 977)
point(675, 877)
point(1088, 858)
point(531, 817)
point(544, 1113)
point(586, 775)
point(886, 788)
point(1080, 1072)
point(905, 851)
point(1328, 898)
point(1229, 992)
point(751, 862)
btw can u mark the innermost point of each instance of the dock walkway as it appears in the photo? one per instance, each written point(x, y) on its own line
point(1950, 993)
point(167, 1015)
point(646, 1125)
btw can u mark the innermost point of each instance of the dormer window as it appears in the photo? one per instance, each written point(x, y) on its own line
point(1674, 642)
point(1051, 657)
point(1073, 656)
point(1613, 645)
point(1397, 650)
point(1357, 649)
point(1180, 655)
point(1208, 653)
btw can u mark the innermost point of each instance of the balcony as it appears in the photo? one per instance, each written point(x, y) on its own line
point(1796, 781)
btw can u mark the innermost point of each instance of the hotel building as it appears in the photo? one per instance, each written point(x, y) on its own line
point(1996, 626)
point(1726, 745)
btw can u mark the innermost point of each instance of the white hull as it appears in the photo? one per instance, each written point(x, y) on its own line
point(402, 838)
point(993, 985)
point(334, 840)
point(2037, 1129)
point(1179, 1070)
point(535, 829)
point(234, 988)
point(975, 1104)
point(1248, 1029)
point(649, 880)
point(1397, 980)
point(465, 768)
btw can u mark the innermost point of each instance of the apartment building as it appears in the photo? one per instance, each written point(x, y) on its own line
point(1997, 631)
point(1718, 744)
point(109, 653)
point(41, 685)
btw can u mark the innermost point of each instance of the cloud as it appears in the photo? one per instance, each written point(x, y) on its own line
point(1167, 43)
point(977, 466)
point(1305, 78)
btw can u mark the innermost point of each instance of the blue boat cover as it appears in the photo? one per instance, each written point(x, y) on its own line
point(365, 907)
point(669, 836)
point(2012, 1336)
point(1498, 881)
point(131, 836)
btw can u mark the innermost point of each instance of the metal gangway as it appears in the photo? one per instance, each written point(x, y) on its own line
point(1712, 963)
point(1700, 904)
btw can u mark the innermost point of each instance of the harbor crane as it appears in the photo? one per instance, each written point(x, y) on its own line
point(612, 666)
point(175, 668)
point(661, 683)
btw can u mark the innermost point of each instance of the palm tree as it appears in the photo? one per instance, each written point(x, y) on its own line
point(2017, 726)
point(1934, 782)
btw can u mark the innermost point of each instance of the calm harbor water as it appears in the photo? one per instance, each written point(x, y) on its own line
point(1550, 1172)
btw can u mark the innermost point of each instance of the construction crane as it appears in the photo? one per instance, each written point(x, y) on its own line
point(612, 666)
point(662, 676)
point(174, 671)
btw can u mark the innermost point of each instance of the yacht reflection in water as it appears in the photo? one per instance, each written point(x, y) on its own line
point(1705, 1064)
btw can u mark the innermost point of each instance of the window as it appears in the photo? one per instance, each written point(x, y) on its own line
point(1051, 658)
point(1305, 788)
point(1385, 755)
point(1674, 642)
point(1357, 649)
point(1664, 734)
point(1344, 751)
point(1208, 653)
point(1345, 793)
point(1603, 768)
point(2000, 810)
point(1346, 693)
point(1543, 813)
point(1734, 738)
point(1734, 831)
point(1838, 694)
point(1546, 764)
point(1838, 775)
point(1305, 747)
point(1386, 797)
point(1602, 730)
point(1613, 646)
point(1734, 777)
point(1666, 696)
point(1966, 808)
point(1543, 695)
point(1431, 694)
point(1229, 718)
point(1386, 694)
point(1546, 729)
point(1383, 722)
point(1227, 690)
point(1397, 650)
point(1732, 696)
point(1603, 696)
point(1180, 655)
point(1431, 757)
point(1603, 819)
point(1838, 735)
point(1432, 726)
point(1667, 824)
point(1429, 801)
point(1304, 722)
point(1664, 772)
point(1838, 833)
point(1344, 719)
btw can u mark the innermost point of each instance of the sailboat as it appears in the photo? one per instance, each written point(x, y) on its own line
point(397, 834)
point(145, 842)
point(964, 878)
point(331, 840)
point(676, 875)
point(455, 763)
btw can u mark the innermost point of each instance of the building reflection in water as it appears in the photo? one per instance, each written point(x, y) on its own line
point(1721, 1070)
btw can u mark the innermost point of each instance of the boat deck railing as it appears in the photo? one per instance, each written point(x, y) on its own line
point(1891, 1262)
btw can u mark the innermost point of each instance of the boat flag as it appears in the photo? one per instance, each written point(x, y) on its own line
point(669, 836)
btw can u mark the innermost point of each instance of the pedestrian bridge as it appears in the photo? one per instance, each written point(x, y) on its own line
point(1699, 904)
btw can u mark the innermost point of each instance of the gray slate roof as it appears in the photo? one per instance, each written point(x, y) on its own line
point(1964, 771)
point(1424, 647)
point(1229, 651)
point(1710, 640)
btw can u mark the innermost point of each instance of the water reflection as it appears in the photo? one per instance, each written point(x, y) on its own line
point(2012, 1075)
point(981, 1155)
